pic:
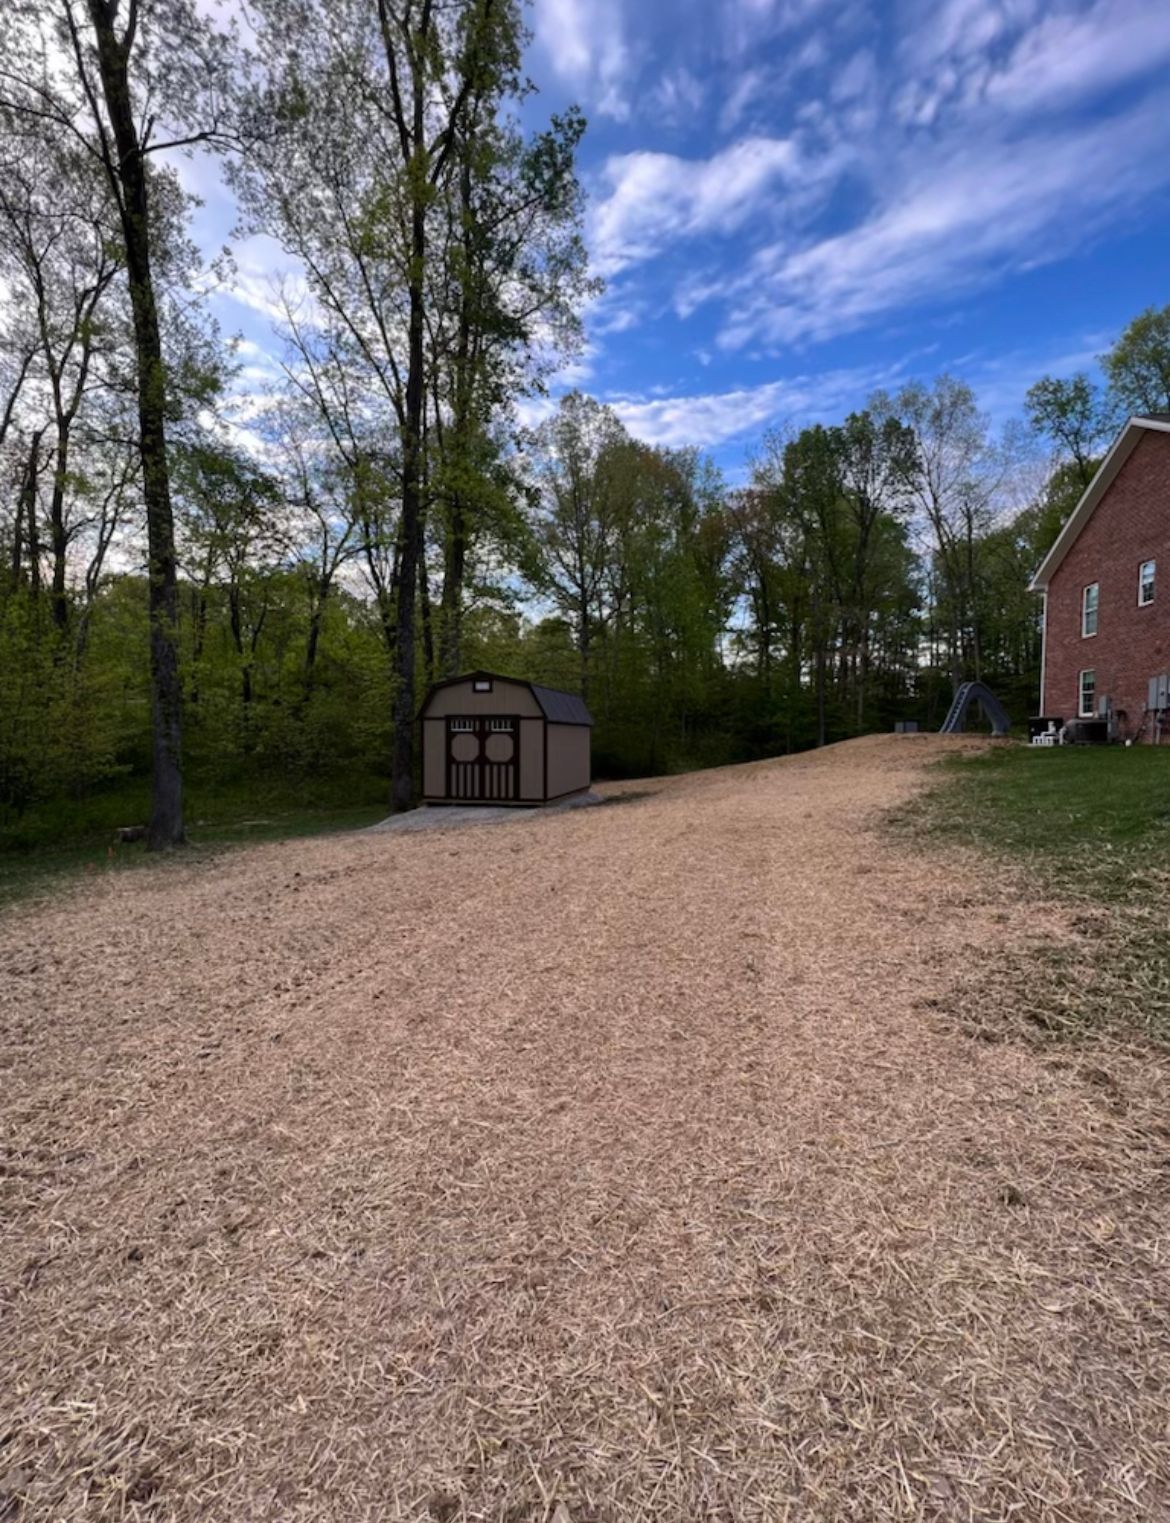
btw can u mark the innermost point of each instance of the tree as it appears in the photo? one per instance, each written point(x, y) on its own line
point(1074, 415)
point(60, 266)
point(1138, 365)
point(573, 459)
point(105, 76)
point(434, 243)
point(877, 461)
point(953, 487)
point(513, 273)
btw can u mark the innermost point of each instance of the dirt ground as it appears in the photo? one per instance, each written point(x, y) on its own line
point(618, 1165)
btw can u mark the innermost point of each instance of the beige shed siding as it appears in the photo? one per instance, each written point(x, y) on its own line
point(434, 762)
point(568, 759)
point(505, 698)
point(532, 758)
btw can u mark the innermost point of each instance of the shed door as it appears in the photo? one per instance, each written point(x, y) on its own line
point(483, 759)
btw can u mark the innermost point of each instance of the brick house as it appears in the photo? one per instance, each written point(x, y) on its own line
point(1106, 586)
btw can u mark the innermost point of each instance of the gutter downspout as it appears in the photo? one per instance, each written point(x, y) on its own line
point(1044, 652)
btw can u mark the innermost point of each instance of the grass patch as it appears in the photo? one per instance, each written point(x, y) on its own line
point(61, 842)
point(1083, 826)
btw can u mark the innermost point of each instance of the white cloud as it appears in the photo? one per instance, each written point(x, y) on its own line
point(1025, 57)
point(585, 42)
point(1071, 57)
point(264, 275)
point(677, 97)
point(747, 89)
point(958, 217)
point(657, 198)
point(715, 418)
point(749, 23)
point(1009, 173)
point(757, 91)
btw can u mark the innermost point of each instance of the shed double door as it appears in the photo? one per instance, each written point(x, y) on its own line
point(483, 758)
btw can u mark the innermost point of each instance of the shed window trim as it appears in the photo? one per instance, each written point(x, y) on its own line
point(1090, 600)
point(1087, 693)
point(1147, 579)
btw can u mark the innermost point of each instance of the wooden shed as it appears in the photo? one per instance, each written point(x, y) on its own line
point(488, 739)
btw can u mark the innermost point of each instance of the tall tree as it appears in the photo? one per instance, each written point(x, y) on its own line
point(1075, 416)
point(574, 459)
point(952, 487)
point(382, 161)
point(1138, 365)
point(108, 76)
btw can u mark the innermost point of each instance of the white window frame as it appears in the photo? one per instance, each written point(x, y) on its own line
point(1091, 711)
point(481, 685)
point(1086, 611)
point(1144, 602)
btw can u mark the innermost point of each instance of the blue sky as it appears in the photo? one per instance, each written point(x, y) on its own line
point(795, 201)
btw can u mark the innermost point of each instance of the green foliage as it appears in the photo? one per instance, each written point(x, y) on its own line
point(1138, 365)
point(1075, 417)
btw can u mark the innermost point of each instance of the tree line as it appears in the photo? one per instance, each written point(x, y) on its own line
point(187, 591)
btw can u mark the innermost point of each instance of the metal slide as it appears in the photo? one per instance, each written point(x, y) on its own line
point(980, 693)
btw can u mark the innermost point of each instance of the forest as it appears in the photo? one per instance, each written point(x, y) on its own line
point(220, 591)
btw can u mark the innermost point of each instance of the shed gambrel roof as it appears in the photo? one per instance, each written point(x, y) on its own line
point(1119, 452)
point(557, 707)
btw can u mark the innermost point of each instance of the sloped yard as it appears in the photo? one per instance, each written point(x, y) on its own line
point(628, 1164)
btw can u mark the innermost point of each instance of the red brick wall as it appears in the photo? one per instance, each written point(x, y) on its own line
point(1131, 524)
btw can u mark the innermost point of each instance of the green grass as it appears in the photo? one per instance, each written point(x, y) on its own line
point(1084, 826)
point(1088, 820)
point(62, 841)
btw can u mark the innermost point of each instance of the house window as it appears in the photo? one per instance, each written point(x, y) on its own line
point(481, 685)
point(1088, 694)
point(1146, 582)
point(1089, 610)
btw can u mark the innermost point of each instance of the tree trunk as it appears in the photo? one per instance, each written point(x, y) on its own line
point(402, 763)
point(58, 538)
point(25, 529)
point(128, 173)
point(451, 605)
point(32, 536)
point(428, 629)
point(313, 641)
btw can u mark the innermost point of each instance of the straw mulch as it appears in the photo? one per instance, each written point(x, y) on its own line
point(621, 1165)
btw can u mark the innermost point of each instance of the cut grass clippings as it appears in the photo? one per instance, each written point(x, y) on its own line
point(1086, 828)
point(603, 1169)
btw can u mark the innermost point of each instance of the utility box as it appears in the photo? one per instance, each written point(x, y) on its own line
point(1159, 694)
point(1087, 732)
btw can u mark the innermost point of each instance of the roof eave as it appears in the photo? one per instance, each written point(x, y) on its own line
point(1119, 452)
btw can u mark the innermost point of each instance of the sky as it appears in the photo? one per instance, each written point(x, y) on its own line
point(793, 202)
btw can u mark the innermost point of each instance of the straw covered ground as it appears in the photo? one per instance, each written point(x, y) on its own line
point(619, 1165)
